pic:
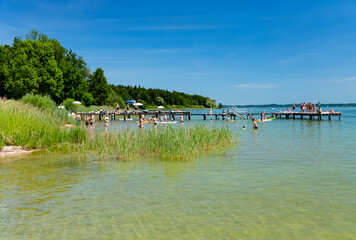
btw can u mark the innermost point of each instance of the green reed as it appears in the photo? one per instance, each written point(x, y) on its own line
point(39, 128)
point(167, 143)
point(32, 127)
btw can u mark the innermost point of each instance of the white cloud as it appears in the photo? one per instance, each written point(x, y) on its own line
point(254, 85)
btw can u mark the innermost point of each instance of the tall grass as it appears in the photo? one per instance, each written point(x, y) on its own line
point(32, 127)
point(40, 127)
point(42, 102)
point(167, 143)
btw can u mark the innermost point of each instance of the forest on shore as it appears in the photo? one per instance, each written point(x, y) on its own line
point(40, 65)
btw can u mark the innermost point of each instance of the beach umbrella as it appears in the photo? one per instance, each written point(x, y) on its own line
point(77, 102)
point(138, 104)
point(130, 101)
point(160, 107)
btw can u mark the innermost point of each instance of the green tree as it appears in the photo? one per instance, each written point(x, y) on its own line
point(87, 99)
point(32, 69)
point(98, 87)
point(114, 98)
point(159, 101)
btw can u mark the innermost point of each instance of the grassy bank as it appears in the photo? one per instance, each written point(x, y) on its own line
point(39, 124)
point(23, 124)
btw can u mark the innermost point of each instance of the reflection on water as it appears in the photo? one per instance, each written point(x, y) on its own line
point(290, 179)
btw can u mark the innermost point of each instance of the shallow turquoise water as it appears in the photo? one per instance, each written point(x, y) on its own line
point(290, 179)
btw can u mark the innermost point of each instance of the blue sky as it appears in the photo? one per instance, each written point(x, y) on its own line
point(236, 52)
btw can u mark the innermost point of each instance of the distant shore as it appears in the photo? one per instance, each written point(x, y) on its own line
point(289, 105)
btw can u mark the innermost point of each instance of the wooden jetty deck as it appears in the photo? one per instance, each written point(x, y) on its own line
point(217, 116)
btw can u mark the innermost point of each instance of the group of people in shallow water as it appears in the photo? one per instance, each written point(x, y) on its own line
point(155, 120)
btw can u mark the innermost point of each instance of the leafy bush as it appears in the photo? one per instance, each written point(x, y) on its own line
point(87, 99)
point(68, 103)
point(43, 102)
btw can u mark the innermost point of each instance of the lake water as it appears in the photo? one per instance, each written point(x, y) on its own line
point(290, 179)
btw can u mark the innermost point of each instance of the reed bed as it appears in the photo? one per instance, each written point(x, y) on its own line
point(42, 127)
point(23, 124)
point(168, 143)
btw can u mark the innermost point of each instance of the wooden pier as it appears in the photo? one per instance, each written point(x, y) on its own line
point(217, 116)
point(294, 115)
point(310, 115)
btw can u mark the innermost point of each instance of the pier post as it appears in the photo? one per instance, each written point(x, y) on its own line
point(293, 116)
point(330, 117)
point(189, 116)
point(216, 117)
point(99, 116)
point(310, 117)
point(301, 116)
point(204, 116)
point(124, 116)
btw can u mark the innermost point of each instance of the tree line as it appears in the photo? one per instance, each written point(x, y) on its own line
point(40, 65)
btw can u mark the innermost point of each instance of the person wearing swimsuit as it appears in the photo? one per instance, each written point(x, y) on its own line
point(91, 121)
point(254, 123)
point(107, 121)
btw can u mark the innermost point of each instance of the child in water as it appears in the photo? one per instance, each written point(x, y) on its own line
point(254, 123)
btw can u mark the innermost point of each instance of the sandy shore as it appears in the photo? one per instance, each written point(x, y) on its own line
point(9, 151)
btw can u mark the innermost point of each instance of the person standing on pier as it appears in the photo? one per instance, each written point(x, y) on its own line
point(293, 107)
point(117, 109)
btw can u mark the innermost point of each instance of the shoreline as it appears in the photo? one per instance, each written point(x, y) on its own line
point(11, 151)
